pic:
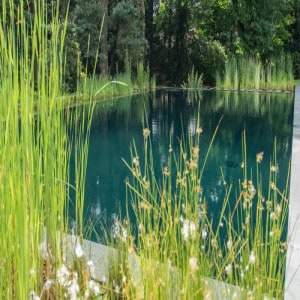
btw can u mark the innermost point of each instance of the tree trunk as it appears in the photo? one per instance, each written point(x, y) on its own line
point(149, 32)
point(104, 41)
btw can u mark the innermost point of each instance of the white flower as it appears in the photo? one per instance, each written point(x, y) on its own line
point(117, 289)
point(214, 243)
point(124, 234)
point(48, 285)
point(252, 258)
point(278, 209)
point(204, 234)
point(31, 272)
point(135, 161)
point(78, 250)
point(91, 267)
point(141, 228)
point(228, 269)
point(192, 227)
point(73, 288)
point(118, 230)
point(33, 296)
point(272, 215)
point(229, 244)
point(96, 290)
point(62, 275)
point(188, 229)
point(94, 287)
point(193, 263)
point(185, 230)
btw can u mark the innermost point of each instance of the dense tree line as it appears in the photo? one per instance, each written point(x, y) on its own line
point(173, 36)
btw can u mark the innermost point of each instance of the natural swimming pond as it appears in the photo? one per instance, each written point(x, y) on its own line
point(169, 114)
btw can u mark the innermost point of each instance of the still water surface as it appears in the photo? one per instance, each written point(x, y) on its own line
point(169, 113)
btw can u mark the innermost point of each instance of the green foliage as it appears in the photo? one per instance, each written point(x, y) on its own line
point(126, 27)
point(172, 36)
point(294, 46)
point(73, 63)
point(207, 56)
point(262, 26)
point(88, 17)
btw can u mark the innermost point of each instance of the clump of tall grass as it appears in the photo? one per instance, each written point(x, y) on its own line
point(282, 73)
point(91, 87)
point(251, 74)
point(121, 84)
point(34, 150)
point(181, 247)
point(219, 81)
point(195, 80)
point(142, 78)
point(34, 159)
point(231, 74)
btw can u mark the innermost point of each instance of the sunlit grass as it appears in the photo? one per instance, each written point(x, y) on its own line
point(33, 153)
point(250, 74)
point(34, 157)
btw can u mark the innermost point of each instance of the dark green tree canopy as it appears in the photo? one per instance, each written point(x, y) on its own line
point(173, 36)
point(127, 33)
point(88, 17)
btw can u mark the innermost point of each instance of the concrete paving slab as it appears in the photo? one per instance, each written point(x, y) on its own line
point(292, 284)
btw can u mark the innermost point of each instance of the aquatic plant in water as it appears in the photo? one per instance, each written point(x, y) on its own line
point(194, 81)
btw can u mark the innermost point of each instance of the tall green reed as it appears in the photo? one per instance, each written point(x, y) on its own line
point(142, 78)
point(34, 148)
point(250, 74)
point(37, 260)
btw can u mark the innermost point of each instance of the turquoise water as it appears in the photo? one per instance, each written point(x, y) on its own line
point(169, 113)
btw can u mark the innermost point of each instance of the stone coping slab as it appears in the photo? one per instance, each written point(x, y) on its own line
point(292, 282)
